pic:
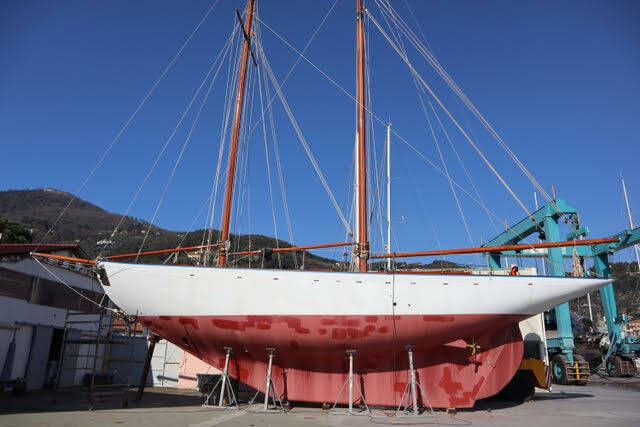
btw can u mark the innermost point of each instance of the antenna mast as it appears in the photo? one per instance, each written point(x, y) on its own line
point(235, 133)
point(388, 144)
point(362, 250)
point(631, 226)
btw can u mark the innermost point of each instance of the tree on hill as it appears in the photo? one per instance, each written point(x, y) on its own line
point(12, 232)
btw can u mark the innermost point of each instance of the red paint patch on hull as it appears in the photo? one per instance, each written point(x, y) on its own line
point(311, 352)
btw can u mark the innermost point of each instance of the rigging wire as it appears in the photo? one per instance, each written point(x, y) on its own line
point(182, 150)
point(193, 223)
point(266, 155)
point(400, 137)
point(467, 174)
point(426, 53)
point(300, 56)
point(301, 137)
point(380, 120)
point(285, 204)
point(164, 148)
point(442, 127)
point(242, 193)
point(437, 143)
point(341, 88)
point(72, 288)
point(448, 113)
point(446, 169)
point(232, 76)
point(374, 175)
point(128, 122)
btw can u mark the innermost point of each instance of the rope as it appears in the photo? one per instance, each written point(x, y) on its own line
point(127, 123)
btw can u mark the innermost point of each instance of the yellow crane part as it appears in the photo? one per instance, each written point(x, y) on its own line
point(539, 371)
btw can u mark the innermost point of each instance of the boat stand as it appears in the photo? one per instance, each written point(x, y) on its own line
point(269, 385)
point(410, 394)
point(225, 387)
point(366, 412)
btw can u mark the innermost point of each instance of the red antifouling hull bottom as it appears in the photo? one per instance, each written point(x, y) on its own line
point(310, 365)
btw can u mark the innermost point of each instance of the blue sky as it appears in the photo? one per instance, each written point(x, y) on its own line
point(558, 80)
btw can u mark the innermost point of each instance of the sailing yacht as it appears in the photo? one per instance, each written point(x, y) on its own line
point(464, 328)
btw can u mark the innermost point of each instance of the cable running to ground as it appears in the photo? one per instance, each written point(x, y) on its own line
point(128, 122)
point(164, 148)
point(182, 150)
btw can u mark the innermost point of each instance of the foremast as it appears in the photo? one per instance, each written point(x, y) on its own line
point(235, 133)
point(362, 248)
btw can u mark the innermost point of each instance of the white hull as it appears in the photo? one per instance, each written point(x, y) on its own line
point(153, 290)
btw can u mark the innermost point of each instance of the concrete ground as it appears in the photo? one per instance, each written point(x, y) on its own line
point(602, 403)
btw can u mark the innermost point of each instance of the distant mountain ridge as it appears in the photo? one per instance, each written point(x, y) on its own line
point(91, 227)
point(38, 210)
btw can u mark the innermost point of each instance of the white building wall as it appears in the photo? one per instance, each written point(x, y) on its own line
point(18, 318)
point(165, 364)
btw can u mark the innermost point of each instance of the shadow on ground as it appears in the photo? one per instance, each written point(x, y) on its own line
point(496, 403)
point(76, 399)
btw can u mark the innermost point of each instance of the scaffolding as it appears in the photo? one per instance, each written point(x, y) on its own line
point(87, 355)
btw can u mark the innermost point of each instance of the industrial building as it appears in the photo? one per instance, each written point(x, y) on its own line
point(36, 300)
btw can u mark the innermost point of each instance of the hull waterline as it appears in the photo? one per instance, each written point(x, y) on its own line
point(312, 318)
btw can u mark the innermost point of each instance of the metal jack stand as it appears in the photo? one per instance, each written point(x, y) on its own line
point(410, 391)
point(366, 412)
point(225, 387)
point(269, 384)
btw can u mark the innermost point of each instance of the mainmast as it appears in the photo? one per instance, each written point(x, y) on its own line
point(235, 133)
point(362, 249)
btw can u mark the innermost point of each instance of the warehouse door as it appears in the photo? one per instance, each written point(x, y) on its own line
point(38, 356)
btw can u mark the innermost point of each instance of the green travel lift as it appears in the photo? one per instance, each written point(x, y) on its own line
point(567, 366)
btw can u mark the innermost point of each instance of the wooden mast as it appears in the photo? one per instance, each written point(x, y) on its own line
point(362, 250)
point(233, 149)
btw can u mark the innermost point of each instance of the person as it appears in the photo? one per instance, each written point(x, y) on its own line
point(514, 270)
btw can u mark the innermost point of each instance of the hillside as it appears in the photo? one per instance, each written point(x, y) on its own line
point(627, 292)
point(38, 209)
point(87, 224)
